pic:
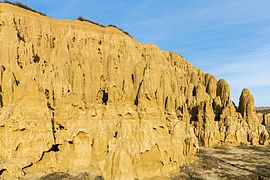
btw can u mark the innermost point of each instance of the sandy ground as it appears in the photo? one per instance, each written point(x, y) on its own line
point(246, 162)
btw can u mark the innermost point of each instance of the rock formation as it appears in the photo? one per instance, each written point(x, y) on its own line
point(246, 104)
point(266, 122)
point(77, 97)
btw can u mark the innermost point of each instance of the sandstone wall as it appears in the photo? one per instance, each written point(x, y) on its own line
point(266, 122)
point(78, 97)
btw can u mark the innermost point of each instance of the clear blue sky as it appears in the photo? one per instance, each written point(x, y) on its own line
point(230, 39)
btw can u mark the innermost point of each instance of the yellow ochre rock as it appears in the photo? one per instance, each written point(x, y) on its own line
point(246, 104)
point(77, 97)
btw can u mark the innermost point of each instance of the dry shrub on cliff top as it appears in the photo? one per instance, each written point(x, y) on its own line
point(110, 25)
point(23, 6)
point(80, 18)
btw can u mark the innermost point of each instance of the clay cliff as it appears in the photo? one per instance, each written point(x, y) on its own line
point(76, 97)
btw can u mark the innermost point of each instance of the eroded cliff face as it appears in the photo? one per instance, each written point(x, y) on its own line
point(78, 97)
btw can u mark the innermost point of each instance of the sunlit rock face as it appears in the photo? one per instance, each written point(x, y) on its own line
point(76, 97)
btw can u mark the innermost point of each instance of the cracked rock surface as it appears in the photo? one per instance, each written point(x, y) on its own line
point(92, 101)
